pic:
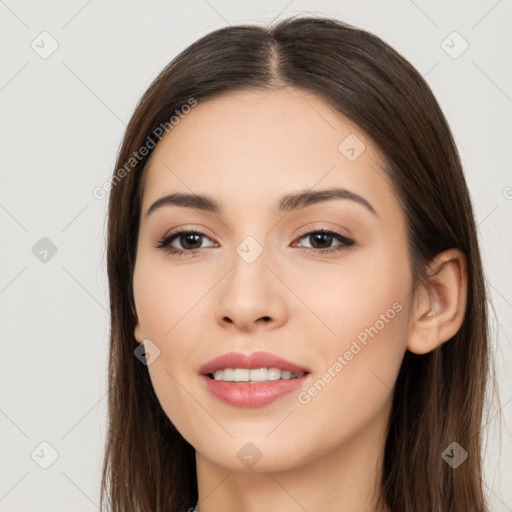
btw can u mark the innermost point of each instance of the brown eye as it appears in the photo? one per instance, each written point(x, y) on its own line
point(321, 241)
point(189, 241)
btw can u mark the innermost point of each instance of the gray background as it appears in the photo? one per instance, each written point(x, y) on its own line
point(63, 117)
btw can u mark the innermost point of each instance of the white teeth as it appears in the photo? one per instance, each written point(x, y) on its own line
point(255, 375)
point(241, 375)
point(273, 374)
point(258, 375)
point(228, 375)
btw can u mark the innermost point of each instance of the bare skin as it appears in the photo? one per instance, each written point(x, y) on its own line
point(319, 451)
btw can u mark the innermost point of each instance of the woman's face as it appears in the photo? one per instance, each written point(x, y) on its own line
point(261, 278)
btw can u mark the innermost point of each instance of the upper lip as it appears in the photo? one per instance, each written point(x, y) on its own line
point(250, 361)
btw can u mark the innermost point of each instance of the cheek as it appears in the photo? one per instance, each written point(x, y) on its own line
point(368, 307)
point(353, 390)
point(366, 290)
point(163, 296)
point(168, 300)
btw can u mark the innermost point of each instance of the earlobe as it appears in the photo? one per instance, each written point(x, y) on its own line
point(441, 303)
point(138, 330)
point(138, 333)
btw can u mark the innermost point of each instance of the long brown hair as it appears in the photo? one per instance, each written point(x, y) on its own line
point(439, 397)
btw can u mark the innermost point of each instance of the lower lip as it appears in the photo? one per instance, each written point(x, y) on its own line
point(255, 394)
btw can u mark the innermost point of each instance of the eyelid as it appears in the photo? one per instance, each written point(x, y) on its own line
point(322, 226)
point(345, 242)
point(196, 228)
point(177, 232)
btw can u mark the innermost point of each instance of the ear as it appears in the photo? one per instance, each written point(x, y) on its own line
point(440, 304)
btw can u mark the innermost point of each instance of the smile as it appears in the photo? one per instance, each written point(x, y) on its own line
point(253, 375)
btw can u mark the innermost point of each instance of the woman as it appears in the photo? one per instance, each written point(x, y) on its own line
point(298, 306)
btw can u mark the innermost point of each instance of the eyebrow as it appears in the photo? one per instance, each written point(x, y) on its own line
point(287, 203)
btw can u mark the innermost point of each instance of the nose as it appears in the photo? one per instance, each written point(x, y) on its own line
point(251, 296)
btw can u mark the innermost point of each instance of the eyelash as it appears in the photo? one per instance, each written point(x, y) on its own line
point(165, 242)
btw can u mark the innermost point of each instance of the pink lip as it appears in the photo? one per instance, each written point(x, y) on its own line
point(255, 394)
point(250, 361)
point(251, 394)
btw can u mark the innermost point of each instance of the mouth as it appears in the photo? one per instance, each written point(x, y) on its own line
point(254, 375)
point(269, 367)
point(252, 380)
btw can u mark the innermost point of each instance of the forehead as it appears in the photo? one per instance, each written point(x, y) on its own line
point(255, 145)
